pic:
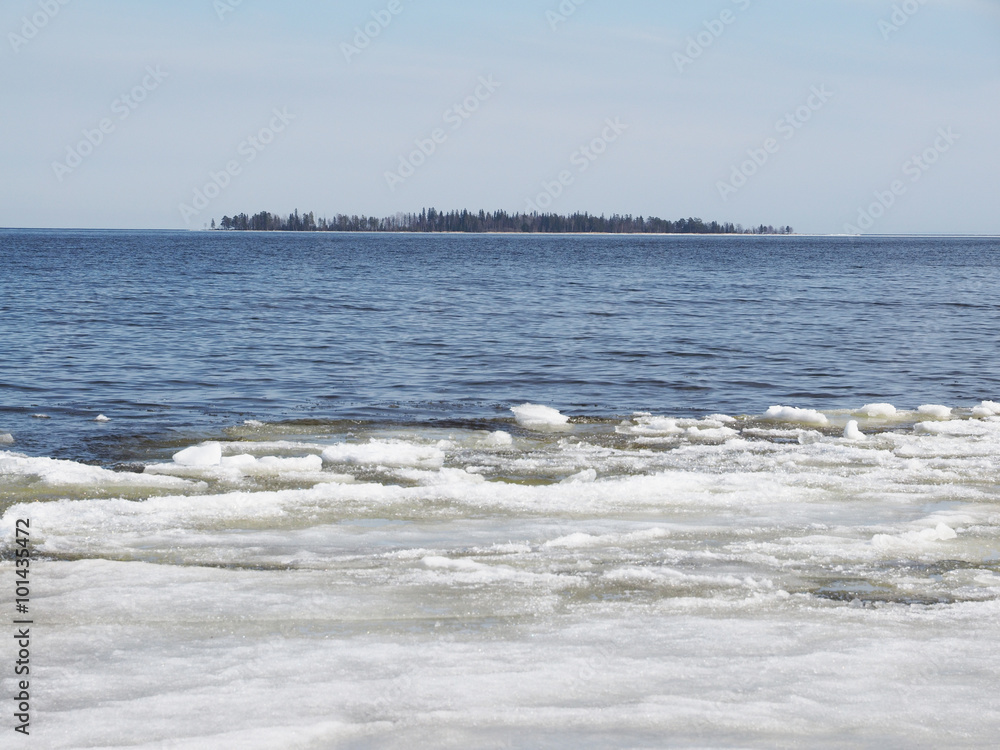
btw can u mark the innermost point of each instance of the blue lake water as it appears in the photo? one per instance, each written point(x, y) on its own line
point(189, 331)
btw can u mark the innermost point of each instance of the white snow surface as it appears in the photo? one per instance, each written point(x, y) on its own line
point(706, 581)
point(853, 432)
point(794, 414)
point(67, 476)
point(877, 410)
point(987, 409)
point(536, 417)
point(385, 453)
point(206, 454)
point(935, 410)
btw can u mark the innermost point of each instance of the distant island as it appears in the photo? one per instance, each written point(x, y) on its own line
point(431, 220)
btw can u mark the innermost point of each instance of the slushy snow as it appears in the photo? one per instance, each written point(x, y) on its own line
point(498, 439)
point(711, 430)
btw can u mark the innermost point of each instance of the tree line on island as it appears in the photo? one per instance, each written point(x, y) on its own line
point(431, 220)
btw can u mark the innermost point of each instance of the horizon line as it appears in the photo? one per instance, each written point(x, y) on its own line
point(533, 234)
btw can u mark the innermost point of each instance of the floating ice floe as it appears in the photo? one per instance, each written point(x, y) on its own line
point(290, 448)
point(877, 411)
point(710, 435)
point(956, 428)
point(724, 418)
point(940, 533)
point(852, 432)
point(806, 437)
point(51, 472)
point(243, 461)
point(273, 465)
point(210, 462)
point(101, 418)
point(540, 418)
point(6, 438)
point(391, 453)
point(649, 429)
point(792, 414)
point(206, 454)
point(987, 409)
point(935, 411)
point(655, 426)
point(498, 439)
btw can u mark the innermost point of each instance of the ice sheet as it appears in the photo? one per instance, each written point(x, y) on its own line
point(731, 585)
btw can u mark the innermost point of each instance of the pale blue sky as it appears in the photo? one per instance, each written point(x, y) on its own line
point(353, 121)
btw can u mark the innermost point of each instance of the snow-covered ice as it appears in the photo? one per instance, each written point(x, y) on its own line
point(794, 414)
point(719, 582)
point(877, 410)
point(206, 454)
point(536, 417)
point(934, 410)
point(853, 432)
